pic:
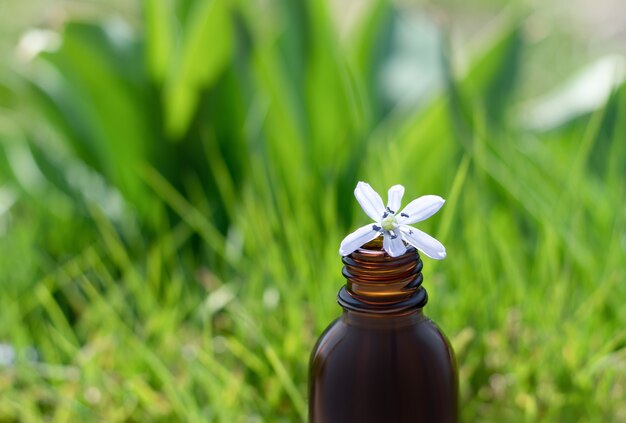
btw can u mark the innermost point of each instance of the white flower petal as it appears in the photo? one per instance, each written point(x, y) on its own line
point(420, 209)
point(357, 238)
point(423, 242)
point(370, 201)
point(394, 246)
point(394, 197)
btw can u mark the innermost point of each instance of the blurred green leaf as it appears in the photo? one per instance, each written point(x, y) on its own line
point(204, 51)
point(490, 81)
point(93, 93)
point(160, 37)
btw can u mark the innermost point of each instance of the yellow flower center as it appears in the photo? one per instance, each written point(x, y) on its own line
point(389, 223)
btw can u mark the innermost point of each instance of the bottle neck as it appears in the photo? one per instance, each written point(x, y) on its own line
point(369, 320)
point(380, 284)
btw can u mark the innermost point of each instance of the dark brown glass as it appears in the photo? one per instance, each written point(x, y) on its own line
point(382, 360)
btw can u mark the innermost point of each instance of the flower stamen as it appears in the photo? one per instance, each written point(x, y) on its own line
point(389, 223)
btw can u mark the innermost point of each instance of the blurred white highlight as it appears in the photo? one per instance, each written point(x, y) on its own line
point(35, 41)
point(583, 93)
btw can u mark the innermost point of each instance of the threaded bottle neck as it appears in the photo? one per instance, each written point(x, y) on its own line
point(380, 284)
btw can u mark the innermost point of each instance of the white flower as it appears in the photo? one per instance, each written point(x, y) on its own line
point(394, 225)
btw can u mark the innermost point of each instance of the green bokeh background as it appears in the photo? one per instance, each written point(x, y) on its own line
point(176, 177)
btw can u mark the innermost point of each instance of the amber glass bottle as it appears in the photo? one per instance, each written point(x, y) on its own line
point(382, 360)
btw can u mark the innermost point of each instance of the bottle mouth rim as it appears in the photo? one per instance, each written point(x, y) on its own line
point(373, 252)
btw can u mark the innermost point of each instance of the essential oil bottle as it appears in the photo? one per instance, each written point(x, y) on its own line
point(382, 360)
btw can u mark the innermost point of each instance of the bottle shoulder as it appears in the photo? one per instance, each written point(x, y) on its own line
point(334, 333)
point(348, 335)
